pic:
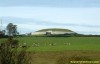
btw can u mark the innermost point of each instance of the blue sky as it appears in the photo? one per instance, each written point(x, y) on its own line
point(81, 16)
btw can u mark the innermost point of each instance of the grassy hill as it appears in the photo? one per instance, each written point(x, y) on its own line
point(54, 29)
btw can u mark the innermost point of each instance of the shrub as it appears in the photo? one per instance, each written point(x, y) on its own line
point(9, 55)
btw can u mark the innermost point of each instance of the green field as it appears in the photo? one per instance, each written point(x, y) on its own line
point(61, 53)
point(61, 43)
point(88, 47)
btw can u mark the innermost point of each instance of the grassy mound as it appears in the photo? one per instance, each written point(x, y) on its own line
point(54, 29)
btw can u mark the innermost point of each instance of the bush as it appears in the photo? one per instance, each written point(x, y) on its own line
point(9, 55)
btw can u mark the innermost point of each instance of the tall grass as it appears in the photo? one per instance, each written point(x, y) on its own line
point(76, 59)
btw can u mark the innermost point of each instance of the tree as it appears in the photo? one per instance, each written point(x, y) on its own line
point(2, 33)
point(11, 29)
point(14, 27)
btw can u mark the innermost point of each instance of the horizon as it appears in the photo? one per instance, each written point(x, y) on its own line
point(81, 16)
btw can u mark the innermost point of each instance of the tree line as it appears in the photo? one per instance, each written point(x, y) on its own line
point(11, 30)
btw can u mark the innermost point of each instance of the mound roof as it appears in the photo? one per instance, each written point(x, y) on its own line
point(54, 29)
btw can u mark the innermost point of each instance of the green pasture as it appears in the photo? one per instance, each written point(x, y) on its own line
point(60, 43)
point(45, 53)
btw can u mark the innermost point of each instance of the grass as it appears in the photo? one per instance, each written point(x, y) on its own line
point(55, 29)
point(64, 57)
point(82, 47)
point(76, 43)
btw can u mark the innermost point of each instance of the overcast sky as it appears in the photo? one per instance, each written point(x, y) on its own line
point(82, 16)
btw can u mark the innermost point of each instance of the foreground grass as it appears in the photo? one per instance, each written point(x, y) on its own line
point(64, 57)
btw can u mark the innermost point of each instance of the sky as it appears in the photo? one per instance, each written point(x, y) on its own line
point(81, 16)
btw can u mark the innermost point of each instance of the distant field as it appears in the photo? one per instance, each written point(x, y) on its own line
point(61, 43)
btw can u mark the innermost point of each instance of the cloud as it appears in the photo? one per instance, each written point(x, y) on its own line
point(30, 25)
point(30, 21)
point(51, 3)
